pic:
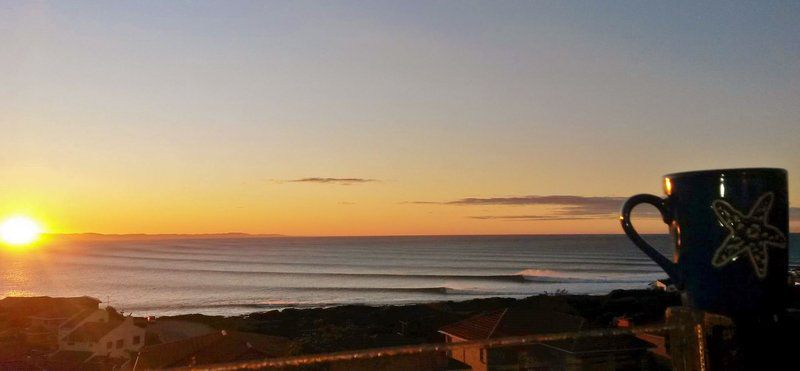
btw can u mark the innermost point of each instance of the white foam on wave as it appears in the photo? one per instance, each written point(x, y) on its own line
point(546, 275)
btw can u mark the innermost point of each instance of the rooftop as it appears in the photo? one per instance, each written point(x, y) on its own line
point(216, 347)
point(513, 322)
point(615, 343)
point(77, 318)
point(46, 307)
point(518, 322)
point(92, 331)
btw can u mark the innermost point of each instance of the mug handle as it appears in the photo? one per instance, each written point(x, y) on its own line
point(625, 219)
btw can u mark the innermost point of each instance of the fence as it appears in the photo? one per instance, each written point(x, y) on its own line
point(697, 341)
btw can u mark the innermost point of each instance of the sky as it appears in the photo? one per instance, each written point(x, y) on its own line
point(383, 118)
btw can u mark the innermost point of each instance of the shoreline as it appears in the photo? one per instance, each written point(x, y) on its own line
point(360, 326)
point(258, 308)
point(308, 331)
point(275, 333)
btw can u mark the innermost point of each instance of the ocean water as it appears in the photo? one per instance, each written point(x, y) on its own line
point(235, 276)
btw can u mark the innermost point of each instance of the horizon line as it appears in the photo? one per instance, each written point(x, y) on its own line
point(278, 235)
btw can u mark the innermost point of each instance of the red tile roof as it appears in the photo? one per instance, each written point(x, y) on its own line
point(45, 306)
point(216, 347)
point(513, 322)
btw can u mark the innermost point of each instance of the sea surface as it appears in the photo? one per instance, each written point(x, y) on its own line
point(230, 276)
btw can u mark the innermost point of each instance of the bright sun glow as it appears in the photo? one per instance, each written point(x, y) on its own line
point(19, 230)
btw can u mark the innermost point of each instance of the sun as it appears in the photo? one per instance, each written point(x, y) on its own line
point(19, 231)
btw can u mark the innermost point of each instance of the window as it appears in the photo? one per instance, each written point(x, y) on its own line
point(120, 343)
point(136, 340)
point(109, 344)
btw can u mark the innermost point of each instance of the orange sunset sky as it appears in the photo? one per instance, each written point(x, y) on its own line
point(383, 118)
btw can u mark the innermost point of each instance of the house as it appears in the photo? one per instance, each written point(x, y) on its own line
point(40, 318)
point(664, 284)
point(607, 353)
point(217, 347)
point(88, 315)
point(620, 352)
point(99, 339)
point(659, 341)
point(112, 337)
point(503, 323)
point(73, 333)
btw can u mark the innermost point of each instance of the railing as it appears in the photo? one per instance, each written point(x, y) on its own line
point(688, 332)
point(425, 348)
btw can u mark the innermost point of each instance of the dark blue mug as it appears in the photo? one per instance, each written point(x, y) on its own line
point(730, 230)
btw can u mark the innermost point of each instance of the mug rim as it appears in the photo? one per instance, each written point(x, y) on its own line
point(736, 172)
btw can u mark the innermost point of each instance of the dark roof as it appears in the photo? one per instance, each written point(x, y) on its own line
point(19, 365)
point(513, 322)
point(70, 356)
point(68, 360)
point(599, 344)
point(92, 331)
point(454, 364)
point(46, 307)
point(106, 361)
point(46, 301)
point(216, 347)
point(56, 313)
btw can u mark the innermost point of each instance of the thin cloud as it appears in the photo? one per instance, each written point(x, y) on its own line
point(339, 181)
point(595, 202)
point(537, 217)
point(564, 207)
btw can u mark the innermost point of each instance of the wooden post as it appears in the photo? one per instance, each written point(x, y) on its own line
point(701, 341)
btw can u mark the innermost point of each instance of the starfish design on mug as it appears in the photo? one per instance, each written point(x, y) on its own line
point(749, 234)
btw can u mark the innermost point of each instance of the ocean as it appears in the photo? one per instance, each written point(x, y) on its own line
point(230, 276)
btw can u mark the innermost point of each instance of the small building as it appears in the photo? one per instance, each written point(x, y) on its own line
point(217, 347)
point(607, 353)
point(664, 284)
point(88, 315)
point(659, 341)
point(112, 337)
point(39, 318)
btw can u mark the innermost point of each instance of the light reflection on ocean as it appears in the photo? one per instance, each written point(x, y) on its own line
point(234, 276)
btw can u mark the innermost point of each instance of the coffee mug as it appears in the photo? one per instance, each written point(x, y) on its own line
point(730, 230)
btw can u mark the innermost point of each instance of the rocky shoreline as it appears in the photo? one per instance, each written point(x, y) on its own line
point(348, 327)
